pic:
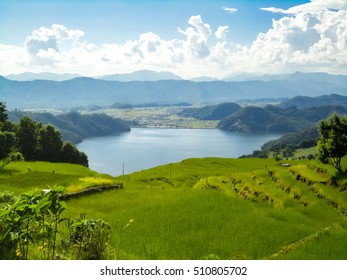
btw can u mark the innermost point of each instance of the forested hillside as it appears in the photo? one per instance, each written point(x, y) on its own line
point(32, 141)
point(275, 119)
point(307, 101)
point(213, 112)
point(74, 126)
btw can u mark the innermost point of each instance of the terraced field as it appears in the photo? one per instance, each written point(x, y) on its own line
point(213, 208)
point(228, 209)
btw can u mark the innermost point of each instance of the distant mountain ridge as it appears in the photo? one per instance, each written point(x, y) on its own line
point(143, 75)
point(306, 101)
point(28, 76)
point(88, 91)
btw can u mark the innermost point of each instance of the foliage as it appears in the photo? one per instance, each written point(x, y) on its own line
point(35, 142)
point(33, 221)
point(75, 127)
point(88, 238)
point(288, 143)
point(7, 141)
point(276, 119)
point(332, 144)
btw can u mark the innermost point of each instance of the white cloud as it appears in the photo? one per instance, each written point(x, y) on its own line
point(197, 37)
point(44, 44)
point(230, 10)
point(313, 5)
point(311, 40)
point(221, 32)
point(314, 40)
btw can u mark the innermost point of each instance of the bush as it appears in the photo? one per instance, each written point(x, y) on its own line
point(33, 222)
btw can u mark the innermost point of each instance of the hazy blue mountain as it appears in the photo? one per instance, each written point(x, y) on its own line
point(28, 76)
point(204, 79)
point(340, 80)
point(143, 75)
point(306, 101)
point(89, 91)
point(241, 77)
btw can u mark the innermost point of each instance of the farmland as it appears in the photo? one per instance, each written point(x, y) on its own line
point(211, 208)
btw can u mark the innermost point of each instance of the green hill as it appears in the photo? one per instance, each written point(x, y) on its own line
point(211, 208)
point(74, 126)
point(213, 112)
point(276, 119)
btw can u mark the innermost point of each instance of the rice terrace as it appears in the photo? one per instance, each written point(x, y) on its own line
point(210, 208)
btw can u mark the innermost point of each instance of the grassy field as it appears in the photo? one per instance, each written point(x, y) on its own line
point(210, 208)
point(19, 177)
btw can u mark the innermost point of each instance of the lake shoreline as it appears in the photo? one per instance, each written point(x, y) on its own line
point(144, 148)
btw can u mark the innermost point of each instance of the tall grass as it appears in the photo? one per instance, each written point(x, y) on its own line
point(190, 210)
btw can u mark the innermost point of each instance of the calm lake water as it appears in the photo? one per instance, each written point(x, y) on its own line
point(143, 148)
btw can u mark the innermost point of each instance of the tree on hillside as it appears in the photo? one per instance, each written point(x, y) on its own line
point(50, 144)
point(7, 140)
point(332, 144)
point(71, 154)
point(7, 137)
point(27, 135)
point(3, 114)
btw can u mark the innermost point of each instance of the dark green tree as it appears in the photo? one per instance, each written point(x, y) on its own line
point(27, 134)
point(71, 154)
point(7, 143)
point(3, 113)
point(7, 137)
point(332, 144)
point(49, 144)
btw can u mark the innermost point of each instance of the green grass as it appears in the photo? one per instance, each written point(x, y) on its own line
point(211, 208)
point(19, 177)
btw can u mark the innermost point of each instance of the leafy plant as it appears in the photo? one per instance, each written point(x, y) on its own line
point(88, 237)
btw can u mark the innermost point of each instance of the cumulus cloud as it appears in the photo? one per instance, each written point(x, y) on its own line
point(197, 37)
point(221, 32)
point(307, 40)
point(45, 42)
point(313, 5)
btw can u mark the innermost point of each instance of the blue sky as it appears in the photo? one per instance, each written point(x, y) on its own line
point(190, 38)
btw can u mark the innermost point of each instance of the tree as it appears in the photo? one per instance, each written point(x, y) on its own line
point(332, 144)
point(71, 154)
point(7, 143)
point(49, 144)
point(27, 135)
point(3, 114)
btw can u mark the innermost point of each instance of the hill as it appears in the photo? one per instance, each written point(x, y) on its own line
point(88, 91)
point(276, 119)
point(306, 101)
point(215, 112)
point(75, 127)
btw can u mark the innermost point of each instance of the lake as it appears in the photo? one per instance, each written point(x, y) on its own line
point(143, 148)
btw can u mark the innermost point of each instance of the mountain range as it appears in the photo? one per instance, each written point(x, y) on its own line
point(82, 91)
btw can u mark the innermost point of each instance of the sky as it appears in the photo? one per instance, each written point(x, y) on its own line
point(214, 38)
